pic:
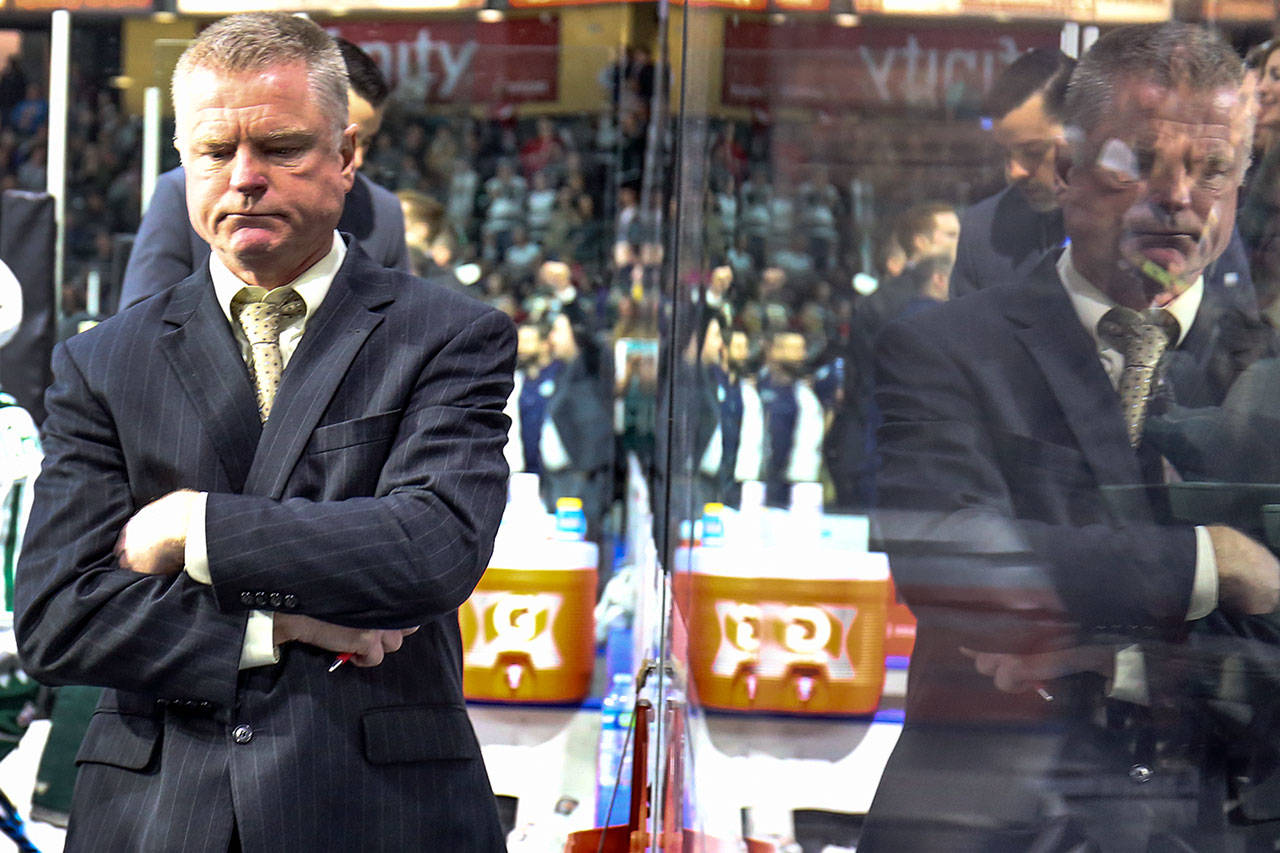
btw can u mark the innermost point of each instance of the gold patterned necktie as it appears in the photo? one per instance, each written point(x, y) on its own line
point(261, 321)
point(1142, 338)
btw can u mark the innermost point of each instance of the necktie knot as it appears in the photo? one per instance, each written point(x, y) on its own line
point(261, 319)
point(1142, 338)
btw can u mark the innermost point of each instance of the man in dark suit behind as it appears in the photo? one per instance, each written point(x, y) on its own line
point(167, 249)
point(204, 555)
point(1046, 708)
point(1003, 237)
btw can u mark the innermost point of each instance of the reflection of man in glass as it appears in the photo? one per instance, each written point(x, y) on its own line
point(1005, 235)
point(1042, 707)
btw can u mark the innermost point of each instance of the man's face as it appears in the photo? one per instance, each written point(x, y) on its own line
point(945, 235)
point(367, 120)
point(530, 346)
point(266, 173)
point(739, 349)
point(787, 352)
point(561, 340)
point(1268, 89)
point(1030, 138)
point(1153, 201)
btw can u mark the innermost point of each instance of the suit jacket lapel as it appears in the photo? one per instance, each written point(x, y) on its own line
point(1050, 329)
point(334, 334)
point(203, 353)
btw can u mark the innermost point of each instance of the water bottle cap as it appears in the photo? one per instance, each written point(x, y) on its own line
point(523, 486)
point(568, 504)
point(806, 497)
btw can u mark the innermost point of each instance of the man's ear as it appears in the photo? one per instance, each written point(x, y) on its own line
point(347, 150)
point(1062, 164)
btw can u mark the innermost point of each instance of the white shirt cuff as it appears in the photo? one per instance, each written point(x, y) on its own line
point(259, 647)
point(196, 553)
point(1204, 588)
point(1130, 682)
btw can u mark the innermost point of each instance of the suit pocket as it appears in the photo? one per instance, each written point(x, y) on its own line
point(120, 740)
point(418, 733)
point(366, 430)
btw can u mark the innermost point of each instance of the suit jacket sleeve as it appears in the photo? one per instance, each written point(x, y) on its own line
point(162, 253)
point(81, 619)
point(1000, 529)
point(417, 545)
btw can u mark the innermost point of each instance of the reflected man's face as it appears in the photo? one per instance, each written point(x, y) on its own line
point(1030, 138)
point(1152, 200)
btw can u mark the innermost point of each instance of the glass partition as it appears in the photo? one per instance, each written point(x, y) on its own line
point(884, 409)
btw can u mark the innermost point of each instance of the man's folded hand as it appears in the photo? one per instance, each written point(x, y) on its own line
point(153, 542)
point(367, 646)
point(1248, 573)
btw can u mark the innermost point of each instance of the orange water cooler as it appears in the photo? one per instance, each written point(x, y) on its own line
point(796, 625)
point(528, 630)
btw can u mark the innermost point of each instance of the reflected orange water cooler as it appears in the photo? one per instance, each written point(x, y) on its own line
point(528, 630)
point(794, 627)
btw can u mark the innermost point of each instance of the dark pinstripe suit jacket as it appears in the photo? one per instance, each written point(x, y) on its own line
point(370, 498)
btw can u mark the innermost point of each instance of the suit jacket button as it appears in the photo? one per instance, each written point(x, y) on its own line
point(291, 601)
point(276, 599)
point(246, 598)
point(242, 733)
point(1140, 773)
point(261, 599)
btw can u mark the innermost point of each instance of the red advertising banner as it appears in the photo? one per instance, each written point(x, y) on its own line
point(82, 5)
point(463, 61)
point(819, 66)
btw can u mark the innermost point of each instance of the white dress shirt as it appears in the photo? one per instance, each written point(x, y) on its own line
point(259, 648)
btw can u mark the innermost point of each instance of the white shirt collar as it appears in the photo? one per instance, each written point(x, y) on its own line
point(312, 285)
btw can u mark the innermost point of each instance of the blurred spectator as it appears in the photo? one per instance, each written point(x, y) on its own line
point(30, 115)
point(771, 310)
point(926, 229)
point(527, 405)
point(423, 219)
point(793, 419)
point(544, 151)
point(819, 206)
point(1267, 129)
point(728, 158)
point(440, 161)
point(521, 259)
point(539, 205)
point(504, 197)
point(587, 235)
point(932, 275)
point(13, 85)
point(575, 445)
point(463, 185)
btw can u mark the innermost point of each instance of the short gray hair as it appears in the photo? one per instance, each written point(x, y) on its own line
point(1169, 54)
point(256, 41)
